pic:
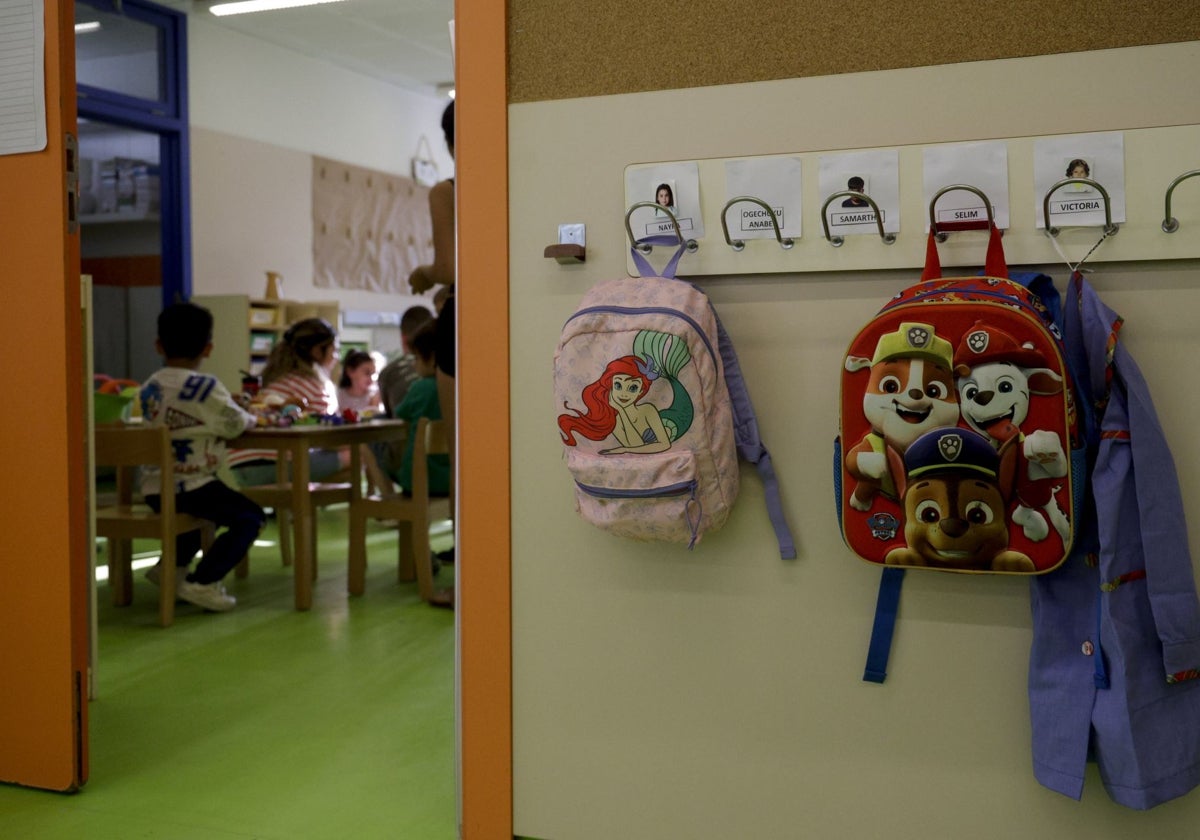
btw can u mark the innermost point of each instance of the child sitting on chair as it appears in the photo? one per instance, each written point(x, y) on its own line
point(421, 400)
point(357, 388)
point(297, 372)
point(201, 415)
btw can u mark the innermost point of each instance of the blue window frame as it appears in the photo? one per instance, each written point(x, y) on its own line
point(147, 91)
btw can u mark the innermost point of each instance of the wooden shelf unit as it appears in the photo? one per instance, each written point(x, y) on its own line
point(266, 322)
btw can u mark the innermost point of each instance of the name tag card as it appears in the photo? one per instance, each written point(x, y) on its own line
point(873, 173)
point(776, 181)
point(675, 189)
point(982, 165)
point(1097, 157)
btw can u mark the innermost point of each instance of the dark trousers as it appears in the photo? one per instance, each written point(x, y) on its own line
point(215, 501)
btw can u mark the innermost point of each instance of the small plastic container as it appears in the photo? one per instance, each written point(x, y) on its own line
point(111, 408)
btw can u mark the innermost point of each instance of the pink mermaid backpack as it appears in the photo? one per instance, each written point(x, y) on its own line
point(653, 411)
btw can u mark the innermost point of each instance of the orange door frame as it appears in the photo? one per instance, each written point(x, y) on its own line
point(44, 561)
point(481, 178)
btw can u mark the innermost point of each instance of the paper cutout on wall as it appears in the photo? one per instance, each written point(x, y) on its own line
point(370, 228)
point(22, 77)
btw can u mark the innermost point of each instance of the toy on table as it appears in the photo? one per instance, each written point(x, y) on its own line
point(273, 410)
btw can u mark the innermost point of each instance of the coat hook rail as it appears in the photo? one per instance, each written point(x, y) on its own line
point(942, 235)
point(645, 247)
point(739, 244)
point(1170, 223)
point(1109, 228)
point(836, 241)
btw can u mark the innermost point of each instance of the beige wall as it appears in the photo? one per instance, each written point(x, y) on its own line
point(714, 694)
point(252, 150)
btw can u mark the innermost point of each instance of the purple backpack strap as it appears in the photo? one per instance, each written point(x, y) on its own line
point(749, 445)
point(643, 265)
point(745, 424)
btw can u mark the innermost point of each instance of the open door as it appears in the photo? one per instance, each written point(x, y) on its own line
point(43, 496)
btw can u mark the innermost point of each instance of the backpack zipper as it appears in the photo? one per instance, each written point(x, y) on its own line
point(1002, 297)
point(998, 299)
point(669, 490)
point(692, 510)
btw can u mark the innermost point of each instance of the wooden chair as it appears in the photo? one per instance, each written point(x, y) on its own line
point(126, 448)
point(413, 514)
point(278, 496)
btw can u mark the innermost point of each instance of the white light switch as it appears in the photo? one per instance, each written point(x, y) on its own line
point(571, 234)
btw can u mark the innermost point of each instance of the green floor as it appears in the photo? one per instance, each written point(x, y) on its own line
point(265, 722)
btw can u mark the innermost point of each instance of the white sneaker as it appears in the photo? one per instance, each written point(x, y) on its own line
point(211, 596)
point(154, 573)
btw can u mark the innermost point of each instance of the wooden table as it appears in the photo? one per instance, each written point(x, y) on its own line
point(296, 441)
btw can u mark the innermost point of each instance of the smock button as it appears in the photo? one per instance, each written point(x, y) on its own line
point(1088, 648)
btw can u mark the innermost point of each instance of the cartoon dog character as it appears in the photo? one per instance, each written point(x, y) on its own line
point(956, 489)
point(910, 391)
point(996, 378)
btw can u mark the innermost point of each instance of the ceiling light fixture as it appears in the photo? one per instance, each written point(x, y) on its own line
point(246, 6)
point(87, 26)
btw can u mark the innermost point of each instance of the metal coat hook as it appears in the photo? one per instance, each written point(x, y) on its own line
point(1170, 223)
point(836, 241)
point(691, 244)
point(942, 236)
point(1109, 228)
point(738, 244)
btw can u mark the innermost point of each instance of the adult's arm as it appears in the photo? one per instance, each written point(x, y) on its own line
point(442, 271)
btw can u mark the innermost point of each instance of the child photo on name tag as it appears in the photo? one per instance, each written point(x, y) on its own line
point(856, 183)
point(664, 197)
point(1078, 167)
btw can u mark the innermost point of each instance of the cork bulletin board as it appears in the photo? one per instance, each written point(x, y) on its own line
point(561, 50)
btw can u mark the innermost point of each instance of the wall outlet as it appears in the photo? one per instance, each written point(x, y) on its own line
point(571, 234)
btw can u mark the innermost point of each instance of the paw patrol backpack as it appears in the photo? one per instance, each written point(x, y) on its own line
point(959, 448)
point(653, 412)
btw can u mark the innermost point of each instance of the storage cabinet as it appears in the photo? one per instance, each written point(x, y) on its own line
point(266, 321)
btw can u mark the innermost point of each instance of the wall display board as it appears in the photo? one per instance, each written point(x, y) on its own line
point(718, 692)
point(370, 228)
point(1015, 174)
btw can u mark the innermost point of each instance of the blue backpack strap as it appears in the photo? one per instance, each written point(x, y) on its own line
point(643, 265)
point(749, 445)
point(886, 607)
